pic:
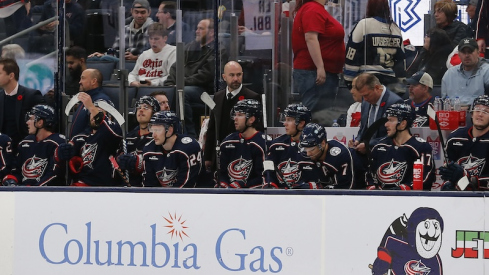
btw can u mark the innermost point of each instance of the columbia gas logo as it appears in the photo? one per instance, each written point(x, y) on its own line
point(169, 246)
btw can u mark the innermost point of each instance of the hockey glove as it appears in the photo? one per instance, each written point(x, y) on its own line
point(76, 164)
point(401, 187)
point(9, 180)
point(382, 263)
point(453, 172)
point(373, 187)
point(127, 162)
point(447, 186)
point(305, 185)
point(65, 151)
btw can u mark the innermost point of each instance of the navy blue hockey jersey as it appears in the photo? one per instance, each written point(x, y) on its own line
point(392, 165)
point(341, 168)
point(422, 119)
point(241, 164)
point(135, 143)
point(6, 157)
point(35, 164)
point(95, 150)
point(471, 153)
point(286, 156)
point(406, 260)
point(176, 168)
point(377, 47)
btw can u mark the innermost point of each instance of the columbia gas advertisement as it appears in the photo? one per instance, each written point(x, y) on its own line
point(255, 233)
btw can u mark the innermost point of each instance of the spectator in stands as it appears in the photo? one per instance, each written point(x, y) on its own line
point(243, 152)
point(432, 58)
point(74, 14)
point(76, 60)
point(136, 139)
point(167, 16)
point(420, 87)
point(445, 13)
point(392, 158)
point(480, 24)
point(90, 83)
point(376, 99)
point(88, 153)
point(11, 112)
point(375, 45)
point(13, 51)
point(317, 43)
point(199, 71)
point(468, 79)
point(473, 30)
point(35, 163)
point(471, 11)
point(18, 20)
point(153, 65)
point(162, 100)
point(354, 114)
point(136, 35)
point(219, 118)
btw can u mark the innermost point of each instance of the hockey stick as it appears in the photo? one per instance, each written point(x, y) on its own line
point(432, 114)
point(206, 98)
point(268, 165)
point(371, 130)
point(119, 171)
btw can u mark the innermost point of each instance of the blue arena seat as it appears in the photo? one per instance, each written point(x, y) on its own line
point(113, 92)
point(128, 65)
point(105, 67)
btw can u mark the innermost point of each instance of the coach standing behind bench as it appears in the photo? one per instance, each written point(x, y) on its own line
point(15, 101)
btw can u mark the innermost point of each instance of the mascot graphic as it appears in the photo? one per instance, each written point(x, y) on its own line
point(411, 246)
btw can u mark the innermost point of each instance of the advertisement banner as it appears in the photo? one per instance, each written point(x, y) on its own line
point(7, 227)
point(299, 233)
point(420, 235)
point(114, 233)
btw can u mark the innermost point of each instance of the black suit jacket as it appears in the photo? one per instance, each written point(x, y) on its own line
point(223, 120)
point(388, 99)
point(30, 98)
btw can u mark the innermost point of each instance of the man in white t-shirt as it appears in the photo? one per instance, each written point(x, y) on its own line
point(153, 65)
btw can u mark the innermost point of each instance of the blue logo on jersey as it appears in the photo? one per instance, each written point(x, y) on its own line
point(405, 18)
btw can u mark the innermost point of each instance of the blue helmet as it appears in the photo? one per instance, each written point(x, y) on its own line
point(167, 119)
point(297, 111)
point(43, 112)
point(312, 135)
point(250, 107)
point(151, 101)
point(402, 111)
